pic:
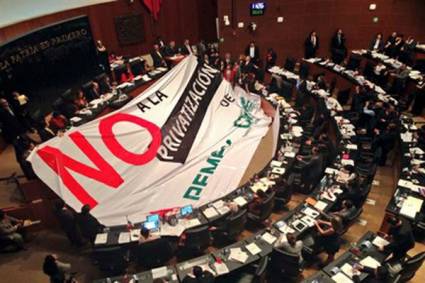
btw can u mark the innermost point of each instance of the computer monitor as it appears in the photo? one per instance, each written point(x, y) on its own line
point(186, 210)
point(152, 218)
point(151, 225)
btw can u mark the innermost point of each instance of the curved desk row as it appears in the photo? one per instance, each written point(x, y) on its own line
point(249, 250)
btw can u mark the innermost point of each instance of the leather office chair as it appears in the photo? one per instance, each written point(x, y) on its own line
point(137, 67)
point(232, 228)
point(304, 70)
point(285, 265)
point(283, 194)
point(353, 63)
point(256, 274)
point(343, 96)
point(410, 267)
point(7, 245)
point(286, 90)
point(266, 210)
point(154, 253)
point(196, 242)
point(368, 70)
point(118, 71)
point(289, 64)
point(112, 260)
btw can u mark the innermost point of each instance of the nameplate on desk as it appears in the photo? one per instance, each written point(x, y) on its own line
point(101, 239)
point(253, 248)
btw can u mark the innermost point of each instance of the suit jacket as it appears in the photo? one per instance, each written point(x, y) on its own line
point(256, 53)
point(336, 44)
point(10, 125)
point(158, 59)
point(380, 45)
point(310, 50)
point(169, 51)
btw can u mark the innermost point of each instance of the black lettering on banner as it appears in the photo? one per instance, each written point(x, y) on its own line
point(182, 126)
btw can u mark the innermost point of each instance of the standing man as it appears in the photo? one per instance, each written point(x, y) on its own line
point(338, 48)
point(311, 45)
point(253, 51)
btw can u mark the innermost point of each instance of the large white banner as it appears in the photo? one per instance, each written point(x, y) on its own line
point(186, 140)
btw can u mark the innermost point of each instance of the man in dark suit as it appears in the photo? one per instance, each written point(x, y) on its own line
point(377, 44)
point(253, 51)
point(389, 45)
point(271, 58)
point(311, 45)
point(402, 239)
point(186, 49)
point(338, 48)
point(312, 169)
point(11, 127)
point(88, 224)
point(171, 49)
point(157, 57)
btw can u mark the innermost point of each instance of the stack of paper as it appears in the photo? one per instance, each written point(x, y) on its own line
point(341, 278)
point(159, 272)
point(380, 242)
point(411, 206)
point(370, 262)
point(349, 270)
point(221, 268)
point(236, 254)
point(241, 201)
point(191, 223)
point(320, 205)
point(210, 212)
point(253, 248)
point(268, 238)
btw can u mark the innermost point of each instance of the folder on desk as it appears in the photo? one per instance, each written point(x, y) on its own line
point(210, 212)
point(253, 248)
point(370, 262)
point(241, 201)
point(341, 278)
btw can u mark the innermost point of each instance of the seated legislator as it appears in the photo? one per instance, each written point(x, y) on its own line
point(58, 121)
point(157, 57)
point(398, 44)
point(199, 276)
point(146, 236)
point(401, 238)
point(255, 205)
point(377, 44)
point(186, 49)
point(88, 224)
point(271, 58)
point(381, 274)
point(311, 45)
point(229, 73)
point(171, 49)
point(11, 229)
point(80, 100)
point(288, 243)
point(11, 126)
point(338, 48)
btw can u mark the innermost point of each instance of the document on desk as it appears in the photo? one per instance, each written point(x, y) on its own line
point(279, 171)
point(411, 206)
point(289, 154)
point(159, 272)
point(408, 185)
point(341, 278)
point(331, 171)
point(221, 268)
point(223, 210)
point(241, 201)
point(370, 262)
point(101, 239)
point(177, 230)
point(253, 248)
point(268, 238)
point(276, 163)
point(191, 223)
point(210, 212)
point(349, 270)
point(236, 254)
point(124, 237)
point(321, 205)
point(218, 204)
point(146, 78)
point(380, 242)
